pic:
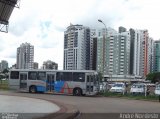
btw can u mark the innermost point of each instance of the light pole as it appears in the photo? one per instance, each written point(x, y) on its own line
point(103, 24)
point(104, 45)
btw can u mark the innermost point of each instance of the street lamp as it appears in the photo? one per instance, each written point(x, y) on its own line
point(104, 45)
point(99, 20)
point(103, 24)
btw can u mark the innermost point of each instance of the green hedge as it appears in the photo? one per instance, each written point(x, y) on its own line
point(130, 96)
point(4, 85)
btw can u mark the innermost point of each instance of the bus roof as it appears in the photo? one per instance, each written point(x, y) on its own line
point(87, 71)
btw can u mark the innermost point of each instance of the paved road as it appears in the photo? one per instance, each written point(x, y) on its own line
point(99, 104)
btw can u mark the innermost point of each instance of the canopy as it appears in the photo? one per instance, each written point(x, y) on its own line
point(6, 8)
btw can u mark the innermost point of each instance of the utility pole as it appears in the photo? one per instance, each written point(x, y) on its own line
point(104, 46)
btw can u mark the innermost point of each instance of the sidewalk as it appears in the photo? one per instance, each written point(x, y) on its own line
point(27, 107)
point(30, 107)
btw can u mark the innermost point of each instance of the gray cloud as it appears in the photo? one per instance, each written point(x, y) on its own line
point(19, 28)
point(43, 25)
point(2, 44)
point(23, 24)
point(91, 19)
point(59, 28)
point(109, 15)
point(1, 48)
point(48, 44)
point(13, 56)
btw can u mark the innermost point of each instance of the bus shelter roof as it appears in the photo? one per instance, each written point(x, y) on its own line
point(6, 8)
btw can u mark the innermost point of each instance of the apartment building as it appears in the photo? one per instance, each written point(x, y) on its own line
point(156, 56)
point(77, 50)
point(25, 56)
point(50, 65)
point(3, 65)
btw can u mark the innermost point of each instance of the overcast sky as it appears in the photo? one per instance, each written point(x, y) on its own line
point(43, 22)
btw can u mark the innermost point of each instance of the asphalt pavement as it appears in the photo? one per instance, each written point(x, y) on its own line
point(95, 106)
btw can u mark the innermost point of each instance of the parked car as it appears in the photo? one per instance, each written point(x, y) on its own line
point(118, 88)
point(4, 79)
point(157, 89)
point(110, 85)
point(137, 88)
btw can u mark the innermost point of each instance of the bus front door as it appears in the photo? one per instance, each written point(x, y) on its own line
point(89, 85)
point(23, 80)
point(50, 82)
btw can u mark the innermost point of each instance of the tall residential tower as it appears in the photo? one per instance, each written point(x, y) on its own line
point(3, 65)
point(25, 56)
point(77, 48)
point(156, 66)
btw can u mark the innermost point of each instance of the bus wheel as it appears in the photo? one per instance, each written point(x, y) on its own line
point(77, 92)
point(32, 89)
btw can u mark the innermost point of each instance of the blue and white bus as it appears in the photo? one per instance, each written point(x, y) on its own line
point(76, 82)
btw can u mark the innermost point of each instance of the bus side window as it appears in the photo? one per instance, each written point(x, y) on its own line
point(14, 75)
point(87, 78)
point(92, 78)
point(41, 76)
point(32, 75)
point(78, 77)
point(64, 76)
point(67, 76)
point(58, 77)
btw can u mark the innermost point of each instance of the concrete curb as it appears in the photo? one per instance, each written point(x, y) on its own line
point(65, 112)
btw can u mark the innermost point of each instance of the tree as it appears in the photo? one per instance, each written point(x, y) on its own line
point(100, 76)
point(150, 76)
point(153, 77)
point(2, 76)
point(5, 71)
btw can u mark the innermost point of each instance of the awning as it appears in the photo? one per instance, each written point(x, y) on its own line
point(6, 8)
